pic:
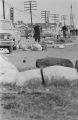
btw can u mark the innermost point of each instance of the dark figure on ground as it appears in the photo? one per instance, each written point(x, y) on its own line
point(37, 33)
point(64, 29)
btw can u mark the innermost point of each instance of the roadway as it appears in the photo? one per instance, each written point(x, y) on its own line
point(29, 57)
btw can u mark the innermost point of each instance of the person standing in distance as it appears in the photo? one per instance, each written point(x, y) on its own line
point(37, 33)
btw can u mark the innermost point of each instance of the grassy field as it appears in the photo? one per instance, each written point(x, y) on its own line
point(57, 101)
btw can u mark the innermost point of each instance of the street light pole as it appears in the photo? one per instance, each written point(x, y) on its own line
point(3, 9)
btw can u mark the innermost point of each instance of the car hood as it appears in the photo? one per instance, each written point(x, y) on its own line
point(6, 31)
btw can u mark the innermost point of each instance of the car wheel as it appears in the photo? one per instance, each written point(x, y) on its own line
point(10, 49)
point(15, 48)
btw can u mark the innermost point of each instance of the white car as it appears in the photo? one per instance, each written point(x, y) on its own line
point(8, 36)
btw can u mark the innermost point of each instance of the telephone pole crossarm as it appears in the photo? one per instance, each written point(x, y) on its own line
point(45, 16)
point(30, 6)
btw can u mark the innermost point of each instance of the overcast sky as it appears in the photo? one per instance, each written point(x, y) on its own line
point(54, 6)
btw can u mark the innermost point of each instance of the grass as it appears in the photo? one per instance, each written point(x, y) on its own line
point(57, 101)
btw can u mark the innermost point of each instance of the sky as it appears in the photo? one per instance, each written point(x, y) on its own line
point(61, 7)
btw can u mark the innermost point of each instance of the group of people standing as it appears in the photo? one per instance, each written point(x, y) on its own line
point(36, 36)
point(37, 31)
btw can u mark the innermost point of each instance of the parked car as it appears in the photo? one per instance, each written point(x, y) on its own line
point(8, 36)
point(6, 39)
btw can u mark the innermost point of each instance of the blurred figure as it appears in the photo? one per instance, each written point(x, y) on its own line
point(26, 34)
point(64, 29)
point(58, 32)
point(37, 33)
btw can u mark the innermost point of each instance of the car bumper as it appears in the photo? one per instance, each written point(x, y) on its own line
point(6, 43)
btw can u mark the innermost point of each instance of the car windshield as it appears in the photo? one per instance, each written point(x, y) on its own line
point(5, 25)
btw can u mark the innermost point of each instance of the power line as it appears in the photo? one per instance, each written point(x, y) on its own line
point(37, 16)
point(14, 7)
point(22, 11)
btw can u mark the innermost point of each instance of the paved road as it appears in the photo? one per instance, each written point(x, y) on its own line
point(18, 56)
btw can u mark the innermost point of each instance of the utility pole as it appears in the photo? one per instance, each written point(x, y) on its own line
point(29, 6)
point(55, 18)
point(71, 18)
point(45, 16)
point(3, 9)
point(64, 18)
